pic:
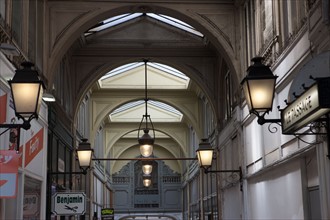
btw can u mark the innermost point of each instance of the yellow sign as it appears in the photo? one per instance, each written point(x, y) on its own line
point(107, 212)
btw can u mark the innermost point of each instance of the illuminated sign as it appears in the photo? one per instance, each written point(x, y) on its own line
point(311, 105)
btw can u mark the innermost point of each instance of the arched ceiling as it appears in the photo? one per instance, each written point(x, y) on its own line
point(70, 19)
point(125, 84)
point(92, 54)
point(122, 121)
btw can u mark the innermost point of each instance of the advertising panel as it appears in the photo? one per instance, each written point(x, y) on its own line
point(8, 173)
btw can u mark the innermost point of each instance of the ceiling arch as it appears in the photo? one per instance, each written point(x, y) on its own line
point(175, 132)
point(199, 60)
point(186, 102)
point(83, 17)
point(65, 30)
point(131, 113)
point(133, 152)
point(189, 107)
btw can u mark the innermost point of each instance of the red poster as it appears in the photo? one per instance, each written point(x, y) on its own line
point(3, 108)
point(34, 146)
point(8, 173)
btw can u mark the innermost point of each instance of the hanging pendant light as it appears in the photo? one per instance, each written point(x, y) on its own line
point(146, 141)
point(146, 180)
point(147, 167)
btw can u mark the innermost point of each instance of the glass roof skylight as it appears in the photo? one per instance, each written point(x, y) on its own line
point(116, 20)
point(122, 69)
point(168, 70)
point(131, 76)
point(132, 111)
point(130, 66)
point(176, 23)
point(127, 106)
point(110, 22)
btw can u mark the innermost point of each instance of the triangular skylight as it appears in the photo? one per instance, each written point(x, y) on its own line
point(133, 111)
point(131, 76)
point(113, 21)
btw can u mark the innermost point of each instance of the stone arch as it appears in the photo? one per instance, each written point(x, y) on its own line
point(62, 36)
point(191, 116)
point(175, 165)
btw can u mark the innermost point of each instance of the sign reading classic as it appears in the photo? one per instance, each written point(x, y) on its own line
point(311, 105)
point(69, 203)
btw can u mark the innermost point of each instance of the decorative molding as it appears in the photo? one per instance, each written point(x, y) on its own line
point(215, 27)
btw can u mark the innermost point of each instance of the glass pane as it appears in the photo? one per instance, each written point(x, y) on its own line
point(24, 95)
point(261, 94)
point(112, 22)
point(176, 23)
point(31, 203)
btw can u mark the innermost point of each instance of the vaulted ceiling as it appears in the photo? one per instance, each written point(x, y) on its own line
point(183, 71)
point(173, 106)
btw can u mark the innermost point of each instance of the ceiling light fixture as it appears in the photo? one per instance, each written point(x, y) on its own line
point(147, 167)
point(146, 180)
point(146, 141)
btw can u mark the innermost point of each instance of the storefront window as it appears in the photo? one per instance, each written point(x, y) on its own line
point(31, 202)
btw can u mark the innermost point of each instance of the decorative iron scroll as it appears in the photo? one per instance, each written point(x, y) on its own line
point(273, 128)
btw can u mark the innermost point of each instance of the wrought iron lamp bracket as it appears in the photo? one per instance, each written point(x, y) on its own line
point(83, 171)
point(237, 172)
point(321, 126)
point(17, 136)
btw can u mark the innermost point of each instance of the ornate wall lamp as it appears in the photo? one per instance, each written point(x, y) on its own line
point(311, 107)
point(259, 88)
point(84, 153)
point(205, 157)
point(26, 90)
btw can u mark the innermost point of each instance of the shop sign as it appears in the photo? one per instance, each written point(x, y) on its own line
point(8, 173)
point(311, 105)
point(31, 204)
point(34, 146)
point(70, 203)
point(107, 213)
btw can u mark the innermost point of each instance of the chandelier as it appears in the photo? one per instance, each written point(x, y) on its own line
point(146, 141)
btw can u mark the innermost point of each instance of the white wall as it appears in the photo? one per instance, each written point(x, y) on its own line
point(276, 194)
point(232, 203)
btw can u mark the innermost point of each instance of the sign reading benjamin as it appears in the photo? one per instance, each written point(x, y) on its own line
point(70, 203)
point(312, 104)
